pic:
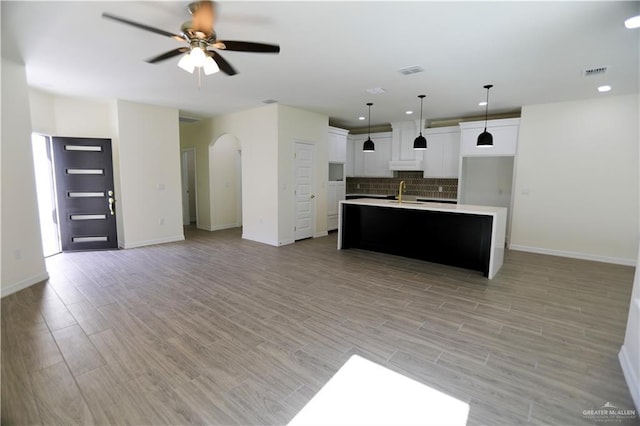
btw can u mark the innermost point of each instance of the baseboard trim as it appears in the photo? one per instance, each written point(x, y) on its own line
point(321, 234)
point(218, 227)
point(627, 371)
point(165, 240)
point(260, 240)
point(574, 255)
point(20, 285)
point(222, 227)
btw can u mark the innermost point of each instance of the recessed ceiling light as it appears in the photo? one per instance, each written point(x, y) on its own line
point(482, 103)
point(361, 118)
point(408, 112)
point(633, 22)
point(376, 90)
point(603, 89)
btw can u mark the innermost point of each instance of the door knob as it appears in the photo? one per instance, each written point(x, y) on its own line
point(312, 196)
point(111, 201)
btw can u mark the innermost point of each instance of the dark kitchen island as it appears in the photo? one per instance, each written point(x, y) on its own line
point(465, 236)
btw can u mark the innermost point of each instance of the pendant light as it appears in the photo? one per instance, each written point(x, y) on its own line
point(420, 144)
point(485, 139)
point(368, 144)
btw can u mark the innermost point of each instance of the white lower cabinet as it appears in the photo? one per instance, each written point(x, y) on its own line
point(335, 193)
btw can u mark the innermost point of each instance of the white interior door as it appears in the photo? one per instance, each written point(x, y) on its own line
point(304, 190)
point(186, 211)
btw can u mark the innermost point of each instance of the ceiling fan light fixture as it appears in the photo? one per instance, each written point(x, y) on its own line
point(186, 63)
point(197, 56)
point(485, 139)
point(210, 66)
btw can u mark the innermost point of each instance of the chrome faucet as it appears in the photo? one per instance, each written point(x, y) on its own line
point(401, 188)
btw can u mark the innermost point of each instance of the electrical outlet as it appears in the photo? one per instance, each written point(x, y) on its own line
point(161, 221)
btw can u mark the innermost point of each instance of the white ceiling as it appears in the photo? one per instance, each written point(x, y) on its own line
point(331, 52)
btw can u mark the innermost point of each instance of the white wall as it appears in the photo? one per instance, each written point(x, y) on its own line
point(22, 258)
point(298, 125)
point(630, 351)
point(257, 133)
point(223, 182)
point(82, 118)
point(42, 110)
point(150, 194)
point(57, 115)
point(576, 186)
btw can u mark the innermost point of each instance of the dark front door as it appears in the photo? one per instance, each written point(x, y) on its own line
point(86, 199)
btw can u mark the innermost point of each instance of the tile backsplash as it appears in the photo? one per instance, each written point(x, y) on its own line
point(416, 185)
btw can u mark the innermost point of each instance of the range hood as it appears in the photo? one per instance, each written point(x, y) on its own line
point(403, 156)
point(406, 165)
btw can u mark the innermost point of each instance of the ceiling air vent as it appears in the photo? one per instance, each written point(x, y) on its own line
point(414, 69)
point(594, 71)
point(269, 101)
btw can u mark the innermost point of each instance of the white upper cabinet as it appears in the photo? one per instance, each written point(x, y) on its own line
point(442, 156)
point(372, 164)
point(349, 166)
point(337, 145)
point(505, 138)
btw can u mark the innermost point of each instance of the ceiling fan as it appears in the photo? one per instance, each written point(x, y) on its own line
point(201, 37)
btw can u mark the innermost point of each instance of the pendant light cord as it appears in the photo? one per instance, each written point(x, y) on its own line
point(486, 111)
point(421, 99)
point(369, 129)
point(486, 107)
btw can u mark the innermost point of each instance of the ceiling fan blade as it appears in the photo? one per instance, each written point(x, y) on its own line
point(167, 55)
point(142, 26)
point(248, 46)
point(224, 66)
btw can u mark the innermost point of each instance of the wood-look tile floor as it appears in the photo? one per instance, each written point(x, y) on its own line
point(218, 330)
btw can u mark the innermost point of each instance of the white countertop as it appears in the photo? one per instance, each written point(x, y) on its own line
point(439, 207)
point(412, 197)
